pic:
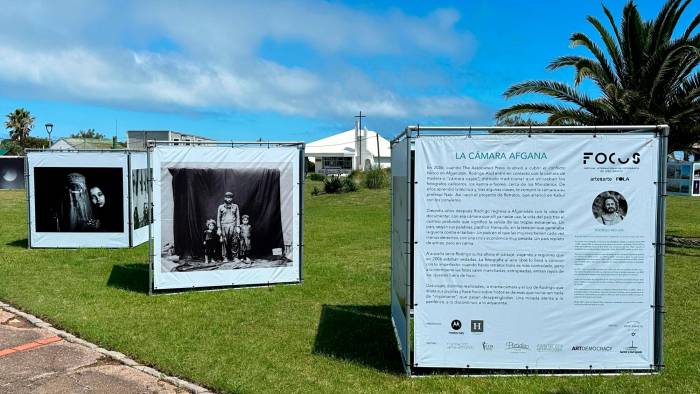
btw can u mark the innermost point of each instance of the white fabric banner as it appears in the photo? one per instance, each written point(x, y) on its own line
point(200, 197)
point(400, 242)
point(535, 252)
point(78, 199)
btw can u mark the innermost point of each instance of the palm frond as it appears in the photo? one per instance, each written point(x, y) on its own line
point(610, 44)
point(581, 39)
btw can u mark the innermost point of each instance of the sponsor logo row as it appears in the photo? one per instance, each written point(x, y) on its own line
point(521, 347)
point(477, 326)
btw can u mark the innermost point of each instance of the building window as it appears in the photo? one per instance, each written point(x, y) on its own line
point(340, 163)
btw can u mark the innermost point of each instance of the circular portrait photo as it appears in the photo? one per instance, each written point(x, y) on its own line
point(609, 208)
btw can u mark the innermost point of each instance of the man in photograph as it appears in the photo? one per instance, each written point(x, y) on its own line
point(610, 212)
point(227, 220)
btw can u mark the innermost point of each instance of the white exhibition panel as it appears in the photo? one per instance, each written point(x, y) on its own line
point(138, 161)
point(285, 159)
point(107, 159)
point(400, 242)
point(513, 268)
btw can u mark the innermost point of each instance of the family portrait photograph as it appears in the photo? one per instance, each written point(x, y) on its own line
point(224, 219)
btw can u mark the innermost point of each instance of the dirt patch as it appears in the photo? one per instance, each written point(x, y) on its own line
point(682, 242)
point(16, 322)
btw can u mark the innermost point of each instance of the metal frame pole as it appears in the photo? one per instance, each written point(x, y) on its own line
point(302, 180)
point(409, 254)
point(27, 193)
point(537, 129)
point(659, 307)
point(151, 254)
point(130, 202)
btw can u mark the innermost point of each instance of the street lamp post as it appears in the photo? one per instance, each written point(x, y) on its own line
point(49, 129)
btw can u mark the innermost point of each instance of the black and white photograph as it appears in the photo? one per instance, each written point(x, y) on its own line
point(610, 208)
point(686, 169)
point(79, 200)
point(225, 219)
point(141, 215)
point(11, 172)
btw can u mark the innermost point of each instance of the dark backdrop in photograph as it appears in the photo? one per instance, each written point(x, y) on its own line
point(140, 214)
point(197, 194)
point(57, 211)
point(11, 173)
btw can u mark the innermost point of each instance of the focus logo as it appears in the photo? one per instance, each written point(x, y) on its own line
point(610, 158)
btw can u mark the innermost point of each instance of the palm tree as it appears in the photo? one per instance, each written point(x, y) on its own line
point(19, 122)
point(645, 74)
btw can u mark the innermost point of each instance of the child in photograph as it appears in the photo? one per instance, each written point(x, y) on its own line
point(137, 220)
point(236, 244)
point(245, 238)
point(211, 241)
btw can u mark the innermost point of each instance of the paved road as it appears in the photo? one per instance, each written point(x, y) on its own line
point(45, 360)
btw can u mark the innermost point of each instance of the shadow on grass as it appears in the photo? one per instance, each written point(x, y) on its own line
point(19, 243)
point(133, 277)
point(362, 334)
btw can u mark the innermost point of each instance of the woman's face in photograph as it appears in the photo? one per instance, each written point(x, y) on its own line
point(97, 197)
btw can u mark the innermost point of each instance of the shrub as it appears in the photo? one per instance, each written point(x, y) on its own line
point(315, 191)
point(332, 184)
point(349, 185)
point(310, 166)
point(376, 178)
point(314, 176)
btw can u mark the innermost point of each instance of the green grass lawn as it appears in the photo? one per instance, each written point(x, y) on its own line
point(683, 216)
point(330, 334)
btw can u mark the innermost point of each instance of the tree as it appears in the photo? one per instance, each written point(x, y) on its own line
point(14, 149)
point(20, 123)
point(645, 75)
point(89, 133)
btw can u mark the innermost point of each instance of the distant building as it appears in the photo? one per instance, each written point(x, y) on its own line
point(136, 139)
point(355, 149)
point(87, 143)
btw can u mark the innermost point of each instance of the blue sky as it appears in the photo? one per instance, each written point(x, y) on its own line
point(280, 70)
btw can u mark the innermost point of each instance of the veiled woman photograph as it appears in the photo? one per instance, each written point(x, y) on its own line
point(78, 199)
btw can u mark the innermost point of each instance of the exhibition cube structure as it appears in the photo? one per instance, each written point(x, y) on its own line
point(84, 198)
point(683, 178)
point(11, 172)
point(225, 214)
point(529, 249)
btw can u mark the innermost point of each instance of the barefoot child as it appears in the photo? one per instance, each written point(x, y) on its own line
point(211, 241)
point(245, 238)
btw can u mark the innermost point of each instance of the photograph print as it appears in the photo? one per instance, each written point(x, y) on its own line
point(82, 199)
point(225, 219)
point(609, 208)
point(140, 215)
point(11, 172)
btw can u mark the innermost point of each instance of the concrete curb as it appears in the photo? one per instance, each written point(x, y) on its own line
point(123, 359)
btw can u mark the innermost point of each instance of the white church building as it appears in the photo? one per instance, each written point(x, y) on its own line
point(355, 149)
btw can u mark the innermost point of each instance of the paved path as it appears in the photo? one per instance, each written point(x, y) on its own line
point(37, 358)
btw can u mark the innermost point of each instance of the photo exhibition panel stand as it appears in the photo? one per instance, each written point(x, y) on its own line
point(225, 216)
point(11, 172)
point(78, 199)
point(401, 244)
point(139, 212)
point(538, 252)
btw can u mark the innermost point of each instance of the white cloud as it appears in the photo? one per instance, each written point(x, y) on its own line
point(105, 57)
